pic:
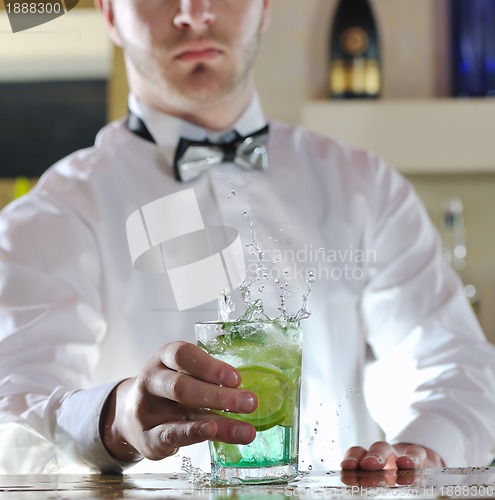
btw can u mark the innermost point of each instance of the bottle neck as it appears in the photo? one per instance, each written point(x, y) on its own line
point(454, 239)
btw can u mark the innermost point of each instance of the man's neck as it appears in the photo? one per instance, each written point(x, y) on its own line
point(216, 115)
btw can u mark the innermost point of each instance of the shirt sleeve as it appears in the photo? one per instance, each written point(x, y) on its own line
point(51, 323)
point(77, 436)
point(432, 379)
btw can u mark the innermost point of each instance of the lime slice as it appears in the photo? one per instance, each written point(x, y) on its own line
point(229, 454)
point(271, 387)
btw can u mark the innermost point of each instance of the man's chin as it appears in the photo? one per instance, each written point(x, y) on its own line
point(203, 90)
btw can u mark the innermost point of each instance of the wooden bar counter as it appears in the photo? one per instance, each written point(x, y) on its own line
point(444, 483)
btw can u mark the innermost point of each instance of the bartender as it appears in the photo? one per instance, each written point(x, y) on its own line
point(97, 364)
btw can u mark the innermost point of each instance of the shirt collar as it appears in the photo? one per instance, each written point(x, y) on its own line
point(167, 129)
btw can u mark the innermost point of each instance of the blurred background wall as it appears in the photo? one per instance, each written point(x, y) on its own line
point(292, 70)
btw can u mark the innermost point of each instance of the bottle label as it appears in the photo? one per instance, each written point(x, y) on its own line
point(354, 41)
point(354, 78)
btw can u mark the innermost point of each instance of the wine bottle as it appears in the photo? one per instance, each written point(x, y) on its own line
point(454, 252)
point(355, 67)
point(473, 48)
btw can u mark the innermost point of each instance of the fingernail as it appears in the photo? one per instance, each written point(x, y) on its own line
point(376, 457)
point(413, 459)
point(229, 378)
point(351, 463)
point(246, 402)
point(243, 433)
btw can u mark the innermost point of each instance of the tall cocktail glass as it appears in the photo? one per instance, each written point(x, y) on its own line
point(268, 356)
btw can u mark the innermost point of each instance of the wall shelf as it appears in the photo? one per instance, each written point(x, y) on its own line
point(414, 135)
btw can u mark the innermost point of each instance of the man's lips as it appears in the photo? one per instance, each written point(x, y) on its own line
point(198, 52)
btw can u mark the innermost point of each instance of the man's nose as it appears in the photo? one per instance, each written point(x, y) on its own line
point(194, 14)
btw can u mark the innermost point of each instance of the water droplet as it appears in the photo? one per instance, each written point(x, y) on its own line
point(310, 467)
point(225, 306)
point(195, 475)
point(234, 192)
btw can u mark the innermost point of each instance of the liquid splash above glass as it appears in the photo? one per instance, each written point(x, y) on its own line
point(258, 280)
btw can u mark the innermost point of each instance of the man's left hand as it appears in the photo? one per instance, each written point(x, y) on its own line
point(382, 455)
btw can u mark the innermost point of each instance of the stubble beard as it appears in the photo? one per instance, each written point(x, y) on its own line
point(202, 87)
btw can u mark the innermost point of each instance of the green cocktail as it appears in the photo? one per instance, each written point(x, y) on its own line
point(268, 356)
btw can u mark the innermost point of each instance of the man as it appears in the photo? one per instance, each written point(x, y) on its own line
point(391, 341)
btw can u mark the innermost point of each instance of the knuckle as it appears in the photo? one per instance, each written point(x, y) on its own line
point(172, 439)
point(381, 443)
point(143, 381)
point(216, 398)
point(151, 454)
point(141, 384)
point(178, 387)
point(174, 355)
point(135, 405)
point(219, 400)
point(380, 447)
point(156, 446)
point(415, 447)
point(179, 435)
point(182, 353)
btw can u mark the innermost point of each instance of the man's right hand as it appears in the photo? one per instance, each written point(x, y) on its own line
point(163, 408)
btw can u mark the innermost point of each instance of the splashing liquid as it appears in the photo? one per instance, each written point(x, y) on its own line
point(226, 306)
point(259, 279)
point(195, 475)
point(257, 276)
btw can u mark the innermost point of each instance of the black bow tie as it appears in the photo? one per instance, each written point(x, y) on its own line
point(192, 158)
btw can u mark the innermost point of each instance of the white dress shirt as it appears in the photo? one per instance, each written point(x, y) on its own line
point(391, 346)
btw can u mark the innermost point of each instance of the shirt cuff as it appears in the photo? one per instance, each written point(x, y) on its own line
point(438, 434)
point(77, 436)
